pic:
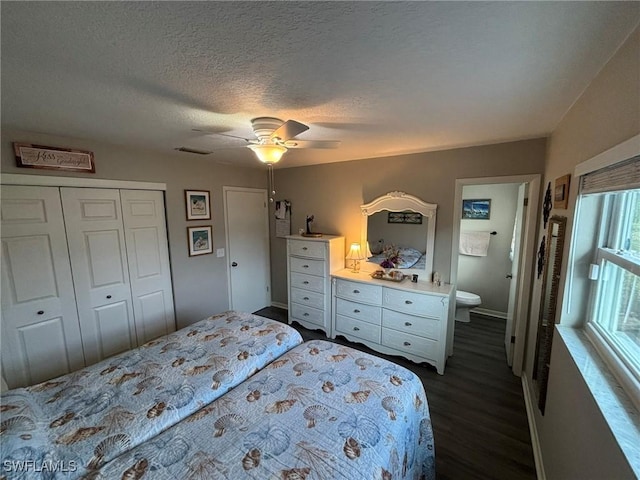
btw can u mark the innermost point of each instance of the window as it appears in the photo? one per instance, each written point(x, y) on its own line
point(613, 317)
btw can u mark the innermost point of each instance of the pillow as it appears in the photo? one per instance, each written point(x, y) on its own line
point(409, 257)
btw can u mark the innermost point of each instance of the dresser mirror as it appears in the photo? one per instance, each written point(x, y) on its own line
point(405, 222)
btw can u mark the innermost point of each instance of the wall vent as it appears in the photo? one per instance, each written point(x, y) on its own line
point(193, 150)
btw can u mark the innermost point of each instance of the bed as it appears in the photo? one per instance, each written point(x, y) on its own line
point(76, 423)
point(320, 411)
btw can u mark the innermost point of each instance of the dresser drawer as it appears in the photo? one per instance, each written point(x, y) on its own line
point(357, 328)
point(360, 292)
point(307, 282)
point(306, 248)
point(306, 297)
point(406, 342)
point(307, 314)
point(415, 303)
point(307, 265)
point(360, 311)
point(424, 327)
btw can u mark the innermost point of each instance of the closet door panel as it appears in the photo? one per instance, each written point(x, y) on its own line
point(95, 233)
point(149, 269)
point(39, 330)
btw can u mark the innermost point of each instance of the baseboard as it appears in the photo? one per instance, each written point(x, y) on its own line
point(284, 306)
point(489, 313)
point(533, 430)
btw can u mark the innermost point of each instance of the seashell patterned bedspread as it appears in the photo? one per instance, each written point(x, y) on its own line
point(321, 411)
point(72, 425)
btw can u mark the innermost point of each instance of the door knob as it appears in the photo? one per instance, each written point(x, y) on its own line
point(234, 264)
point(509, 276)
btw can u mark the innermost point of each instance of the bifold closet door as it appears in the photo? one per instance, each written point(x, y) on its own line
point(95, 234)
point(149, 272)
point(40, 334)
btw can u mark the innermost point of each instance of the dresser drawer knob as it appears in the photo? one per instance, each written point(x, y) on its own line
point(356, 291)
point(305, 298)
point(407, 324)
point(408, 302)
point(407, 344)
point(356, 310)
point(355, 329)
point(305, 248)
point(40, 312)
point(305, 266)
point(305, 282)
point(305, 314)
point(108, 297)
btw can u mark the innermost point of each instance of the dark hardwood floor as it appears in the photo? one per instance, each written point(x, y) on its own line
point(477, 407)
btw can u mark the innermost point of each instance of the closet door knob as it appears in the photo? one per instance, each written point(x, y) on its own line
point(40, 312)
point(108, 297)
point(407, 344)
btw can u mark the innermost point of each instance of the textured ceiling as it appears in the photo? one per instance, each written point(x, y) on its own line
point(384, 78)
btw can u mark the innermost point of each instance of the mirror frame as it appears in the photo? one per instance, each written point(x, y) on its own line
point(548, 307)
point(400, 202)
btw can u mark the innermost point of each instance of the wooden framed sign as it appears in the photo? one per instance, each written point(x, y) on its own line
point(53, 158)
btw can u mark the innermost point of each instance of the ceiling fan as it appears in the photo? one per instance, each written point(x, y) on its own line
point(274, 137)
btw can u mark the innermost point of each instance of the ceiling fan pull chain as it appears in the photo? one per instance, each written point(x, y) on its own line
point(272, 186)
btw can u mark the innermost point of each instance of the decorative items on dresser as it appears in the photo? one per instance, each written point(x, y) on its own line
point(413, 320)
point(310, 263)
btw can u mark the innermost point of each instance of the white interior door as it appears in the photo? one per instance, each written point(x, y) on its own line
point(247, 226)
point(514, 281)
point(95, 233)
point(149, 271)
point(40, 334)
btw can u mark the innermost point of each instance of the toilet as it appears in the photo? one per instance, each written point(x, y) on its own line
point(464, 302)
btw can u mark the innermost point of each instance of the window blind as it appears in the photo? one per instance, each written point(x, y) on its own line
point(623, 175)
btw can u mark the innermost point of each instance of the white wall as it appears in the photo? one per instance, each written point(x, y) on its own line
point(574, 440)
point(199, 283)
point(486, 276)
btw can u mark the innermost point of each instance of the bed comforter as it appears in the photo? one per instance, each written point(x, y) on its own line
point(320, 411)
point(71, 426)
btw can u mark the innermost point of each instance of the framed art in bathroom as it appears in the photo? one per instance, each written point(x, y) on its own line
point(476, 209)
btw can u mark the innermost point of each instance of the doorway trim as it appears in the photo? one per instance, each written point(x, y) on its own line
point(528, 246)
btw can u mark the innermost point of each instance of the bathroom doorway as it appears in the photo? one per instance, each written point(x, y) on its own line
point(501, 274)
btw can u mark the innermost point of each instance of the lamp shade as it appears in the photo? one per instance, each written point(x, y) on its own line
point(354, 252)
point(268, 154)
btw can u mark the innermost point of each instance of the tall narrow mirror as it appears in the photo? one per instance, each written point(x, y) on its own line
point(548, 305)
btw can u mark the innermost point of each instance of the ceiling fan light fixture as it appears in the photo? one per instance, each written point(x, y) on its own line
point(268, 154)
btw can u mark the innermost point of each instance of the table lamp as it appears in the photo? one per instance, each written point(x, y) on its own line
point(355, 255)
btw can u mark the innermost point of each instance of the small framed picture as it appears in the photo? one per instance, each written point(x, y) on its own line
point(561, 192)
point(199, 240)
point(476, 209)
point(198, 206)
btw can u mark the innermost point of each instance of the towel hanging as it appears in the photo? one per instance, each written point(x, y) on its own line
point(474, 243)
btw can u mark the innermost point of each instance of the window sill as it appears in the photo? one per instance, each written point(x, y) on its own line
point(615, 405)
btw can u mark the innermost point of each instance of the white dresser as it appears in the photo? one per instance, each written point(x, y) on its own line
point(413, 320)
point(310, 263)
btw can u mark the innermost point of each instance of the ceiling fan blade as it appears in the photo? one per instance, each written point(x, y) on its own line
point(289, 129)
point(312, 144)
point(211, 132)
